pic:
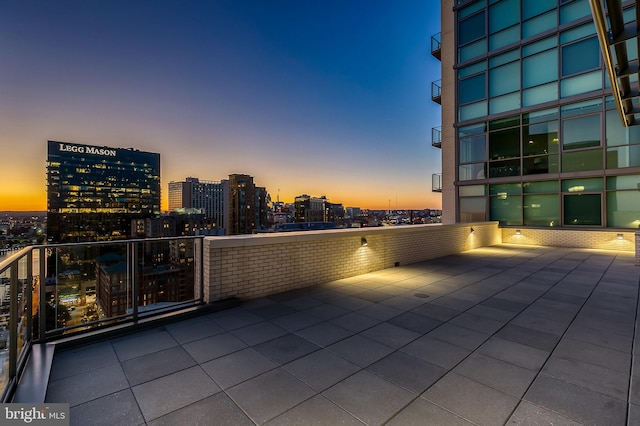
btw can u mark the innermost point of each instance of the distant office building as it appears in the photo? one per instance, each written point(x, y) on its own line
point(353, 212)
point(208, 197)
point(247, 207)
point(317, 209)
point(174, 224)
point(93, 192)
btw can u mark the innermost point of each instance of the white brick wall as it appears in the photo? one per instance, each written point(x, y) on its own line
point(254, 266)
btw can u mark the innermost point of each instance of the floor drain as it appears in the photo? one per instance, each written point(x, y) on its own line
point(422, 295)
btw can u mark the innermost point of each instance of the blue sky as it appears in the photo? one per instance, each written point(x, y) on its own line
point(319, 97)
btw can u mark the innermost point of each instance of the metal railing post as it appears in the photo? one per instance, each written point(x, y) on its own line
point(42, 308)
point(133, 259)
point(13, 319)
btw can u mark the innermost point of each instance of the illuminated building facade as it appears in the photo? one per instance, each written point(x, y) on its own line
point(247, 207)
point(93, 193)
point(208, 197)
point(531, 135)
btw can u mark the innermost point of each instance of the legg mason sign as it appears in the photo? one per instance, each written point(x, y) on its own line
point(86, 149)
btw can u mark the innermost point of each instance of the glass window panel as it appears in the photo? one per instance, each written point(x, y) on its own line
point(471, 111)
point(505, 189)
point(472, 171)
point(540, 164)
point(473, 149)
point(540, 138)
point(582, 210)
point(503, 15)
point(505, 123)
point(540, 68)
point(472, 50)
point(574, 10)
point(581, 132)
point(541, 186)
point(472, 88)
point(504, 103)
point(539, 95)
point(623, 182)
point(504, 37)
point(471, 28)
point(581, 185)
point(540, 116)
point(623, 156)
point(505, 58)
point(504, 79)
point(504, 168)
point(617, 134)
point(504, 144)
point(533, 8)
point(506, 209)
point(472, 190)
point(623, 209)
point(539, 46)
point(629, 14)
point(579, 108)
point(577, 33)
point(580, 57)
point(472, 69)
point(473, 209)
point(542, 209)
point(539, 24)
point(632, 49)
point(579, 84)
point(476, 6)
point(582, 160)
point(473, 129)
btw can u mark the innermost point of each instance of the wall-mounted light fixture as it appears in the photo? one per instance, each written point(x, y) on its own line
point(518, 232)
point(363, 242)
point(620, 237)
point(473, 231)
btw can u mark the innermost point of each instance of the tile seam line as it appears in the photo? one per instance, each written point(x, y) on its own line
point(633, 350)
point(556, 345)
point(472, 352)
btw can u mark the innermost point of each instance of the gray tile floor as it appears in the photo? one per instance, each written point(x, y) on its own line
point(501, 335)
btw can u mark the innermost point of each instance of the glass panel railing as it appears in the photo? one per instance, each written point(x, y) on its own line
point(93, 285)
point(435, 45)
point(64, 289)
point(5, 316)
point(436, 182)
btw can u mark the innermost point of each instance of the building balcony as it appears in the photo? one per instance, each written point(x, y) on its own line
point(436, 137)
point(435, 46)
point(406, 315)
point(436, 91)
point(436, 182)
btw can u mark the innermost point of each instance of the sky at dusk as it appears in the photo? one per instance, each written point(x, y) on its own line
point(309, 97)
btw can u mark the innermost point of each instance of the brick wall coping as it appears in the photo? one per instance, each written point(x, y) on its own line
point(301, 236)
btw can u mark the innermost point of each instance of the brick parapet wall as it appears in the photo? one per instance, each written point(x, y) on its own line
point(254, 266)
point(602, 240)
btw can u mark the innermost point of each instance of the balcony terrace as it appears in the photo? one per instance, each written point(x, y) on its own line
point(481, 332)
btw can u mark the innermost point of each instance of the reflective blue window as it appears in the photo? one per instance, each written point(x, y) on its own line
point(580, 56)
point(471, 28)
point(472, 88)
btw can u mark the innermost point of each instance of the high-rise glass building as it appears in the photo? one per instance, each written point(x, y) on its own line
point(531, 133)
point(93, 192)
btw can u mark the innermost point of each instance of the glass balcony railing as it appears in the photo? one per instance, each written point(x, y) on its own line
point(58, 290)
point(436, 91)
point(436, 137)
point(436, 182)
point(435, 46)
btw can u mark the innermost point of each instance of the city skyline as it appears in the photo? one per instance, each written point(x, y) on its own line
point(308, 97)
